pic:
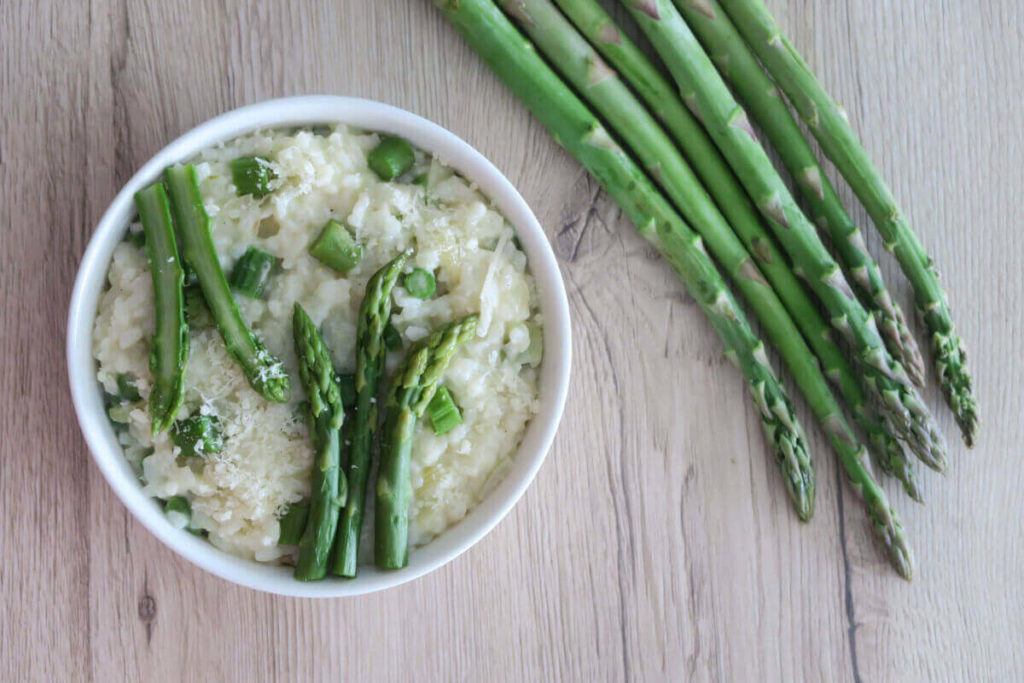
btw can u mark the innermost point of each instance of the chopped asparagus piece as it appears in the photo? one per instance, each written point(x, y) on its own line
point(391, 158)
point(292, 523)
point(178, 506)
point(252, 272)
point(444, 414)
point(420, 283)
point(118, 413)
point(252, 175)
point(198, 435)
point(126, 389)
point(336, 248)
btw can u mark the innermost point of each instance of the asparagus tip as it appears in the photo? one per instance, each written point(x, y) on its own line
point(910, 487)
point(967, 420)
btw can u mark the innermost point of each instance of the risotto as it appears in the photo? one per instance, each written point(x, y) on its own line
point(238, 495)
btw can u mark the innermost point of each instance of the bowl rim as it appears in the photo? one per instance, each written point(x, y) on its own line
point(366, 115)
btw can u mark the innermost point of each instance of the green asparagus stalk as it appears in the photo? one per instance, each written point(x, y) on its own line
point(328, 488)
point(830, 126)
point(689, 135)
point(264, 372)
point(370, 355)
point(169, 347)
point(413, 386)
point(759, 95)
point(513, 59)
point(709, 98)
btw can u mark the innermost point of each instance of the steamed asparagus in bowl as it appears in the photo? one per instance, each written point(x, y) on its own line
point(313, 264)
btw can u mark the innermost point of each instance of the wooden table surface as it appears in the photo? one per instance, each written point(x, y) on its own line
point(656, 543)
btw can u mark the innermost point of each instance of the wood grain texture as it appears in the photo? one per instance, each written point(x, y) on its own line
point(656, 543)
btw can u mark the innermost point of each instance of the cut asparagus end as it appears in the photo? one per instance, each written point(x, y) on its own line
point(444, 413)
point(336, 248)
point(198, 435)
point(420, 283)
point(391, 158)
point(252, 175)
point(252, 272)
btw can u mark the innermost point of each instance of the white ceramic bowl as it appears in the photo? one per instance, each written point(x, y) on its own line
point(367, 115)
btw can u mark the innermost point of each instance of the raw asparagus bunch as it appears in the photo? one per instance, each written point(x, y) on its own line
point(326, 414)
point(829, 125)
point(413, 386)
point(892, 391)
point(169, 347)
point(371, 352)
point(264, 372)
point(586, 72)
point(758, 94)
point(701, 152)
point(514, 61)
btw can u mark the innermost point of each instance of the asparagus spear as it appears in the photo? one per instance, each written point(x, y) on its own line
point(711, 101)
point(585, 71)
point(169, 346)
point(661, 98)
point(327, 415)
point(413, 386)
point(513, 59)
point(264, 372)
point(829, 125)
point(758, 94)
point(370, 355)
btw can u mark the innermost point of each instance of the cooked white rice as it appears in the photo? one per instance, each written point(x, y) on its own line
point(238, 494)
